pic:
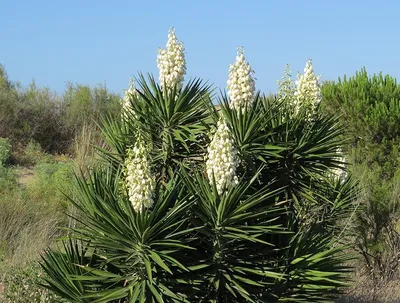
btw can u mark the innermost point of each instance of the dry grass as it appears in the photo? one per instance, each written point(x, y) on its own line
point(31, 210)
point(85, 144)
point(26, 227)
point(363, 290)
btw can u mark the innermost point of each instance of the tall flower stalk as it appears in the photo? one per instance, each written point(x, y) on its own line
point(285, 86)
point(308, 90)
point(126, 100)
point(171, 62)
point(222, 158)
point(138, 179)
point(241, 83)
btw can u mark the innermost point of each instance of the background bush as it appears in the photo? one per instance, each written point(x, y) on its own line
point(5, 151)
point(7, 180)
point(35, 114)
point(369, 108)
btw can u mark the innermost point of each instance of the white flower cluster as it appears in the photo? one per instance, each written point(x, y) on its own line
point(171, 62)
point(241, 84)
point(138, 178)
point(308, 90)
point(222, 158)
point(126, 101)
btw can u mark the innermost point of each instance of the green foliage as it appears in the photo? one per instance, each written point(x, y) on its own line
point(32, 155)
point(39, 118)
point(8, 97)
point(85, 105)
point(377, 231)
point(63, 263)
point(31, 114)
point(369, 108)
point(174, 125)
point(7, 180)
point(5, 151)
point(52, 181)
point(271, 238)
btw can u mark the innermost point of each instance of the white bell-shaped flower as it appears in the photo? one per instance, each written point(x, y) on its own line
point(308, 90)
point(138, 179)
point(222, 158)
point(171, 62)
point(241, 83)
point(126, 100)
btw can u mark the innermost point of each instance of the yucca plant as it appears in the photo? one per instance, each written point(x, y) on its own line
point(192, 204)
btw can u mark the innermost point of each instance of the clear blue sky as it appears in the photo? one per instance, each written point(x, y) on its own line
point(96, 41)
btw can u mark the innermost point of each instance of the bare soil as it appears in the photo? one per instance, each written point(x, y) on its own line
point(25, 176)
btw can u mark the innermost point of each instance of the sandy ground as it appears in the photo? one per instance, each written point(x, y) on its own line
point(25, 176)
point(363, 292)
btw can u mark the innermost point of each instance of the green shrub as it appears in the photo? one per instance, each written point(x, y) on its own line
point(7, 180)
point(369, 108)
point(5, 151)
point(8, 105)
point(51, 120)
point(85, 105)
point(52, 181)
point(33, 154)
point(40, 118)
